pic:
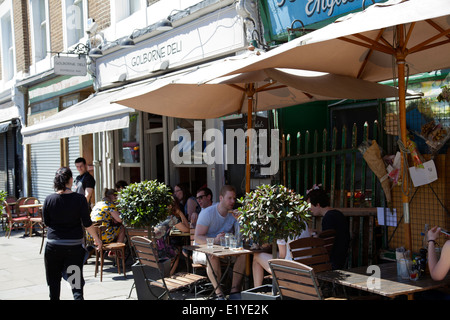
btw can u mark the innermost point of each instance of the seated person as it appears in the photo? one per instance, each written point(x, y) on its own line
point(169, 248)
point(187, 204)
point(261, 259)
point(204, 200)
point(438, 268)
point(331, 219)
point(105, 212)
point(214, 222)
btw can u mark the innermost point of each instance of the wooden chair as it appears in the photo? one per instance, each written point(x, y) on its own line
point(160, 287)
point(195, 266)
point(11, 200)
point(35, 214)
point(15, 222)
point(314, 251)
point(18, 211)
point(132, 232)
point(295, 280)
point(116, 247)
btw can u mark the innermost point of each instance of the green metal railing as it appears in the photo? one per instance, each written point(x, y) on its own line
point(336, 163)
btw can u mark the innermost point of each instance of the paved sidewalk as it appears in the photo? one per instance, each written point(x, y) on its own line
point(22, 274)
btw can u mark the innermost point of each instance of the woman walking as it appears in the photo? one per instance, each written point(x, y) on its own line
point(65, 213)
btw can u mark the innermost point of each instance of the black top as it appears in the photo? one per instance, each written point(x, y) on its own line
point(334, 219)
point(87, 181)
point(64, 215)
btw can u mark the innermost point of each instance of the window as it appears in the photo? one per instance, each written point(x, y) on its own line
point(125, 8)
point(74, 14)
point(130, 141)
point(7, 47)
point(40, 29)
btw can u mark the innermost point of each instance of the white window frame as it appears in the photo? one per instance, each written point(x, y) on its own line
point(40, 63)
point(82, 20)
point(8, 66)
point(123, 21)
point(125, 8)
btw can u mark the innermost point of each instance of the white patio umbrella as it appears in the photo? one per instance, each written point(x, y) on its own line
point(192, 95)
point(375, 44)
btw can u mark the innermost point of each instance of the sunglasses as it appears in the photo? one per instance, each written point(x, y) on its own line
point(201, 197)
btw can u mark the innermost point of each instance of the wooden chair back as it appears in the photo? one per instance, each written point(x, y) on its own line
point(158, 285)
point(139, 232)
point(295, 280)
point(134, 232)
point(313, 252)
point(154, 278)
point(32, 211)
point(328, 237)
point(21, 212)
point(7, 209)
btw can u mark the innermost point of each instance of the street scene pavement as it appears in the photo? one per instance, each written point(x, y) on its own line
point(22, 273)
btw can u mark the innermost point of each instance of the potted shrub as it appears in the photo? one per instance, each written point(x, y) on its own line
point(269, 213)
point(144, 205)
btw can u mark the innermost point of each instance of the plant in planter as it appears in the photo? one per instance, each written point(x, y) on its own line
point(144, 204)
point(3, 195)
point(272, 212)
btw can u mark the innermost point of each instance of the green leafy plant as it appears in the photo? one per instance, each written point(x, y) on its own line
point(272, 212)
point(3, 196)
point(144, 204)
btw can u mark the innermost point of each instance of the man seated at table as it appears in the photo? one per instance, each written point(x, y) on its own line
point(331, 219)
point(214, 222)
point(204, 200)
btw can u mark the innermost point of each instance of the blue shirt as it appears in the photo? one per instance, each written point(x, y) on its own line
point(211, 218)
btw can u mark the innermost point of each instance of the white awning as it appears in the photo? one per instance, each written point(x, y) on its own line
point(94, 114)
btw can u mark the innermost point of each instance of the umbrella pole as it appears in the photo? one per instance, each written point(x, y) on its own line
point(403, 133)
point(249, 126)
point(250, 93)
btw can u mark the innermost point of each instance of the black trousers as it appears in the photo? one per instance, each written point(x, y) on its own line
point(67, 262)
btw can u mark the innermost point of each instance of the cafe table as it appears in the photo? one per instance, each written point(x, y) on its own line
point(382, 279)
point(220, 252)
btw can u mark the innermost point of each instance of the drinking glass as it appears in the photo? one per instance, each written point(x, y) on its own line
point(210, 242)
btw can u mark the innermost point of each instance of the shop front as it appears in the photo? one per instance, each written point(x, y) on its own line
point(10, 150)
point(143, 149)
point(45, 154)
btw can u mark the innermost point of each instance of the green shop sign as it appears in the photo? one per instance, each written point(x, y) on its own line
point(279, 15)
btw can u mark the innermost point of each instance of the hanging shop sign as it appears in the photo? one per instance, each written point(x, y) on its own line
point(280, 14)
point(70, 66)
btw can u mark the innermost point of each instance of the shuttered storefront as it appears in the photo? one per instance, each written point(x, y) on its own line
point(7, 162)
point(45, 161)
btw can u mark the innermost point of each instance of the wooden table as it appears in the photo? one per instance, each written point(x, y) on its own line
point(220, 252)
point(389, 284)
point(32, 205)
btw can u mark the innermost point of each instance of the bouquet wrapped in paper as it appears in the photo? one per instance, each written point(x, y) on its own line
point(372, 155)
